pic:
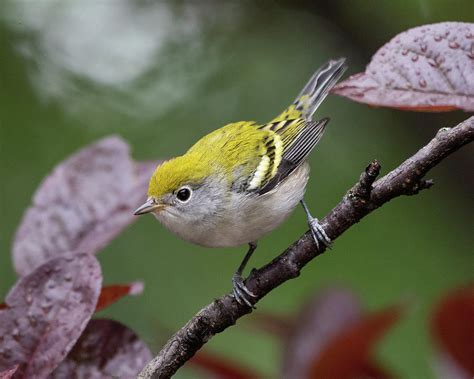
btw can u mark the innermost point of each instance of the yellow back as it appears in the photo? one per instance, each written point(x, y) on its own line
point(251, 150)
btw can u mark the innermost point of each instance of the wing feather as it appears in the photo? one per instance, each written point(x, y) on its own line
point(272, 152)
point(305, 142)
point(286, 141)
point(296, 153)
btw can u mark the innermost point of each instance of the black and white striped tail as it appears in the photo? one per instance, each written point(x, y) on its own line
point(318, 87)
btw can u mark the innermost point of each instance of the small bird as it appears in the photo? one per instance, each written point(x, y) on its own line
point(243, 180)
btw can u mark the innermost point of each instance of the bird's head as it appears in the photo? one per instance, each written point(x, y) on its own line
point(183, 187)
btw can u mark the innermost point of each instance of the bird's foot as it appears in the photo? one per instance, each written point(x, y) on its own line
point(318, 233)
point(240, 292)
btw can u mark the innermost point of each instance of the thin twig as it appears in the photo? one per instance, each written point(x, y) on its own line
point(364, 197)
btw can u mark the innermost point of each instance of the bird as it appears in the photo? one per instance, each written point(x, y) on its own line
point(241, 181)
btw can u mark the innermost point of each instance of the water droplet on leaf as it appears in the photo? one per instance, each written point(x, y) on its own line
point(16, 334)
point(432, 62)
point(453, 45)
point(32, 320)
point(6, 353)
point(46, 305)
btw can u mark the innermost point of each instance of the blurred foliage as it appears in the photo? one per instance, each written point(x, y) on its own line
point(162, 75)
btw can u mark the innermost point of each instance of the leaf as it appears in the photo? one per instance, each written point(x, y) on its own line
point(110, 294)
point(221, 368)
point(46, 313)
point(8, 374)
point(452, 327)
point(106, 349)
point(332, 338)
point(347, 356)
point(428, 68)
point(323, 317)
point(446, 367)
point(82, 205)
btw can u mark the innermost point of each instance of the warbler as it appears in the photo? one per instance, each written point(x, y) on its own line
point(243, 180)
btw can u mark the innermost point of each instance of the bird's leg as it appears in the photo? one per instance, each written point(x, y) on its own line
point(240, 292)
point(317, 230)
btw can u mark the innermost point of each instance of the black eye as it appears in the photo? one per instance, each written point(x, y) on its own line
point(183, 194)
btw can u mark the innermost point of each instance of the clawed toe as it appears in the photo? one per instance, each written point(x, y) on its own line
point(319, 234)
point(240, 292)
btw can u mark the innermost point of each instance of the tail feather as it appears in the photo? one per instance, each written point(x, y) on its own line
point(314, 92)
point(318, 87)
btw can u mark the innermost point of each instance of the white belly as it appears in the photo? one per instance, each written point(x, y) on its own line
point(247, 218)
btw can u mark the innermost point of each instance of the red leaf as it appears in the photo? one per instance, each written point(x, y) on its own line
point(106, 349)
point(3, 306)
point(110, 294)
point(347, 356)
point(428, 68)
point(46, 313)
point(8, 374)
point(452, 326)
point(83, 204)
point(221, 368)
point(373, 371)
point(324, 317)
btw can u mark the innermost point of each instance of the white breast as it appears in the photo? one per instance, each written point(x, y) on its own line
point(244, 218)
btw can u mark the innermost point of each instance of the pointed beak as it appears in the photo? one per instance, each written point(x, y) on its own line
point(147, 207)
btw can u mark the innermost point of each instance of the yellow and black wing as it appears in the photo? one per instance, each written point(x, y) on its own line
point(259, 157)
point(292, 135)
point(296, 141)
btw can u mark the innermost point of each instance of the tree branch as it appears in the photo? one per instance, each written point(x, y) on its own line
point(364, 197)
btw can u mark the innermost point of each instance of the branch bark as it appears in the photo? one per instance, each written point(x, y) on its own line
point(364, 197)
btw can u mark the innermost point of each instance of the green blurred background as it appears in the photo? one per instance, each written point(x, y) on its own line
point(162, 74)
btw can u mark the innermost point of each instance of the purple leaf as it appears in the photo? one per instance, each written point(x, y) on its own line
point(83, 204)
point(8, 374)
point(349, 354)
point(428, 68)
point(106, 349)
point(324, 317)
point(446, 367)
point(46, 312)
point(452, 327)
